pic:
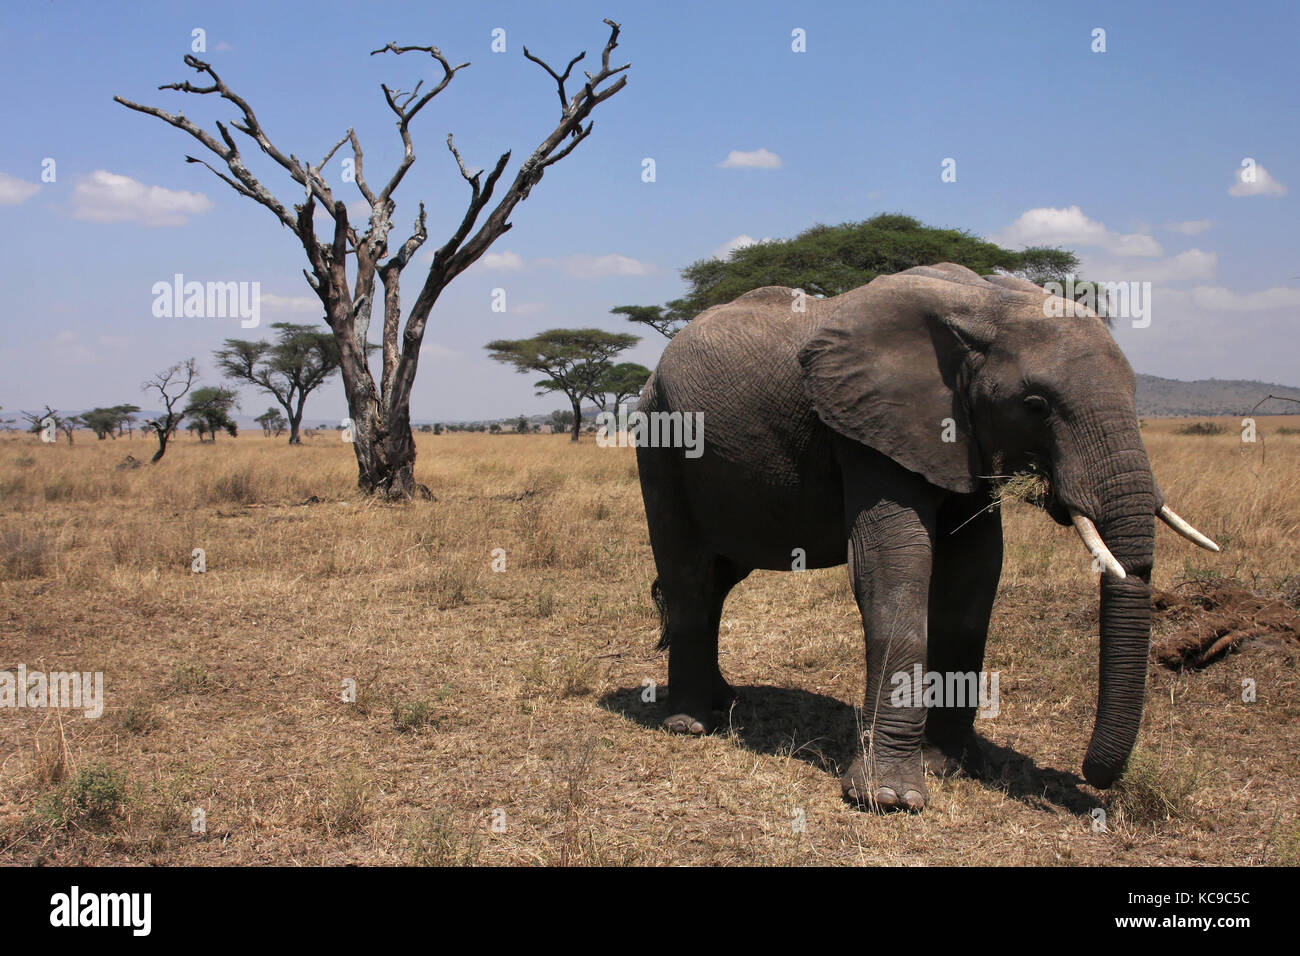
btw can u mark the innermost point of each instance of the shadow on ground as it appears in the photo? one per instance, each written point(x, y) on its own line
point(823, 732)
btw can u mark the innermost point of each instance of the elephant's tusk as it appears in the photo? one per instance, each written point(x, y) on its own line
point(1096, 547)
point(1170, 517)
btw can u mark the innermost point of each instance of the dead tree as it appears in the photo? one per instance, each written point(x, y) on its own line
point(171, 385)
point(383, 441)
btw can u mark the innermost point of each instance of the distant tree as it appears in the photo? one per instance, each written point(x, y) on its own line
point(126, 418)
point(561, 422)
point(68, 425)
point(494, 428)
point(171, 384)
point(437, 429)
point(289, 369)
point(619, 383)
point(108, 422)
point(829, 260)
point(574, 361)
point(37, 422)
point(210, 406)
point(272, 422)
point(101, 421)
point(522, 425)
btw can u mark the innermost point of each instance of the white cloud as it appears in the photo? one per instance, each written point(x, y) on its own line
point(725, 250)
point(502, 261)
point(107, 197)
point(754, 159)
point(595, 267)
point(14, 190)
point(1264, 184)
point(1218, 299)
point(1048, 226)
point(1192, 227)
point(1185, 266)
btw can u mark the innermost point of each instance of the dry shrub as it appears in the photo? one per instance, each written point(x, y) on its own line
point(436, 840)
point(95, 796)
point(1157, 788)
point(1200, 428)
point(346, 807)
point(25, 554)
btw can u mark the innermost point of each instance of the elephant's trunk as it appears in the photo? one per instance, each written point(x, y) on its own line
point(1121, 684)
point(1117, 490)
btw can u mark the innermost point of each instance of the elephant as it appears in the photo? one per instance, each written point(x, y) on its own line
point(870, 429)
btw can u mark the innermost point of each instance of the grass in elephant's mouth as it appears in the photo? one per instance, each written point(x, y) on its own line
point(1026, 487)
point(500, 717)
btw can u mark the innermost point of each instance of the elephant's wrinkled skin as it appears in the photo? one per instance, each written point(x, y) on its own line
point(866, 427)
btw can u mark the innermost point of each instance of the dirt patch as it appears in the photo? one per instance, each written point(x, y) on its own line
point(1206, 620)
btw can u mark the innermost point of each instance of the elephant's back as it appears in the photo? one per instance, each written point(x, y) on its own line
point(738, 364)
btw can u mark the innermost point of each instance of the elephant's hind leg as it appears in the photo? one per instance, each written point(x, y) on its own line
point(693, 592)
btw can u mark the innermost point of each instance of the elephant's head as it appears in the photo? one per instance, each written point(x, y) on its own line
point(961, 379)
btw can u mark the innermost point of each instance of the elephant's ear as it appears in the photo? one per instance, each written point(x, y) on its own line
point(888, 366)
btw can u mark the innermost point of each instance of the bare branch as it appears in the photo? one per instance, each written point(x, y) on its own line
point(557, 77)
point(406, 110)
point(357, 173)
point(315, 170)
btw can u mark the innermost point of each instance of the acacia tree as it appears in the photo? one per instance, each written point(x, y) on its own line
point(290, 369)
point(210, 407)
point(272, 421)
point(109, 422)
point(171, 385)
point(573, 360)
point(619, 382)
point(125, 418)
point(829, 260)
point(380, 411)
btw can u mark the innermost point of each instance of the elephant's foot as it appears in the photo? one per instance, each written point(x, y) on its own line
point(685, 724)
point(950, 756)
point(897, 783)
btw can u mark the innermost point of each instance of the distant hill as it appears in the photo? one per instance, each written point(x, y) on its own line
point(1168, 397)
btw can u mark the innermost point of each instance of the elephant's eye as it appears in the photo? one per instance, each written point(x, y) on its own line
point(1037, 406)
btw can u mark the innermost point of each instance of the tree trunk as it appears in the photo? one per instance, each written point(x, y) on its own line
point(577, 419)
point(162, 449)
point(295, 419)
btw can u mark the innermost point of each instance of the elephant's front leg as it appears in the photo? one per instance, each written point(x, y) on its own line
point(890, 544)
point(963, 583)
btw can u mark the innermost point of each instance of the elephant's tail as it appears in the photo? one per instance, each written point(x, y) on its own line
point(657, 595)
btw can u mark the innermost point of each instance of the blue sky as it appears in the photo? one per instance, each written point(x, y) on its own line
point(1132, 157)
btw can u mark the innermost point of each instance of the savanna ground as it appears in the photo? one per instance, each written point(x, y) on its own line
point(515, 695)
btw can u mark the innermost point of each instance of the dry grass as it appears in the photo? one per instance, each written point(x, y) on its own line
point(516, 696)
